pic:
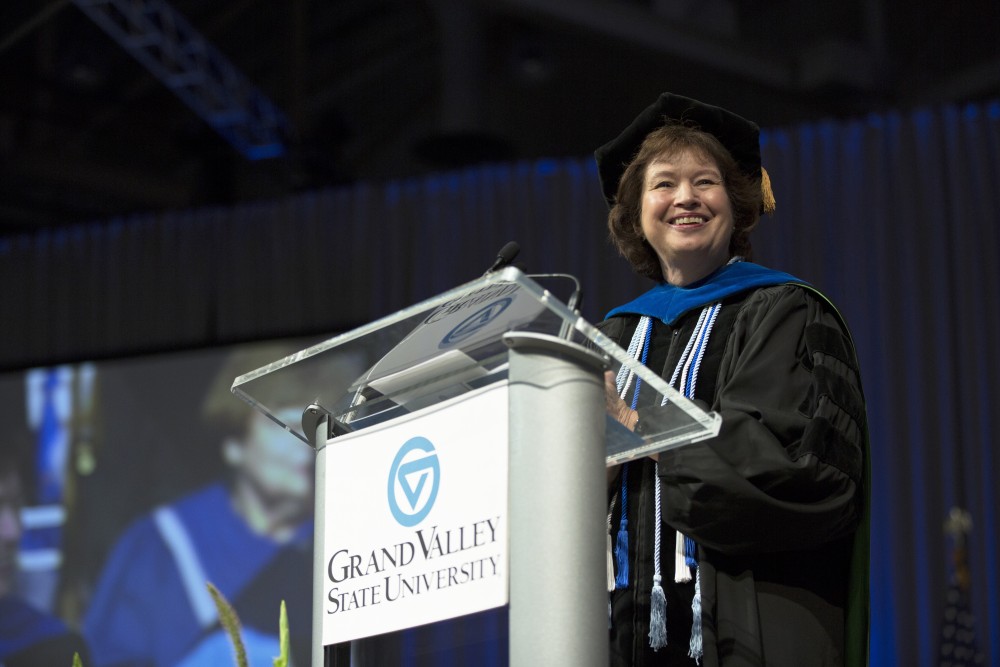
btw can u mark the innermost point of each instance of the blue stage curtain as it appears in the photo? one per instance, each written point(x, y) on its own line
point(895, 216)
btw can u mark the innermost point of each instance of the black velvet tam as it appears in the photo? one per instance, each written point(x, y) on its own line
point(739, 135)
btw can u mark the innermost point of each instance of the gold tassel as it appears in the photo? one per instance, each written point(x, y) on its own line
point(767, 194)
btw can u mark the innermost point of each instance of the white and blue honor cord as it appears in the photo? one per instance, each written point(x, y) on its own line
point(687, 372)
point(640, 341)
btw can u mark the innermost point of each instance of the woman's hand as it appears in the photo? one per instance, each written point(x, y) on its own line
point(616, 407)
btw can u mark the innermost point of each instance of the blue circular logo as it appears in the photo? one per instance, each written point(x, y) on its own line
point(413, 481)
point(475, 322)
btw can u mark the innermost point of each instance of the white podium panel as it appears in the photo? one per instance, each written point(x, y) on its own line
point(416, 524)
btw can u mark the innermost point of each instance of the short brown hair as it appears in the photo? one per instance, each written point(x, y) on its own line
point(624, 218)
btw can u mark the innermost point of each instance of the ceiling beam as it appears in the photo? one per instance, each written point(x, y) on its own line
point(160, 38)
point(642, 27)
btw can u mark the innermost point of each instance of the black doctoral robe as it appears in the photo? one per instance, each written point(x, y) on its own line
point(777, 503)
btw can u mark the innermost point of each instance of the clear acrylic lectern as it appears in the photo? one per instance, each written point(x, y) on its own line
point(500, 364)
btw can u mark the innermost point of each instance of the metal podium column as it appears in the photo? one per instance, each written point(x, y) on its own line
point(316, 422)
point(319, 535)
point(558, 564)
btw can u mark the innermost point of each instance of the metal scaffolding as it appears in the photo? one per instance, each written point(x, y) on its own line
point(165, 43)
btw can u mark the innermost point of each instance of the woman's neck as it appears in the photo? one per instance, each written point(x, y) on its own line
point(274, 520)
point(682, 274)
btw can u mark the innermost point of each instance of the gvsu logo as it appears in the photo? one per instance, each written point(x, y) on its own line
point(475, 322)
point(413, 481)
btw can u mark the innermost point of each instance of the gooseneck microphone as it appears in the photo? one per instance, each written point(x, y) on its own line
point(505, 256)
point(575, 298)
point(566, 330)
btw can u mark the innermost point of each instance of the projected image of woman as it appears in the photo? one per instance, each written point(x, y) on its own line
point(249, 535)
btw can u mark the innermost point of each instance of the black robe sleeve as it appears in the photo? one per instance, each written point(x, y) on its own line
point(785, 471)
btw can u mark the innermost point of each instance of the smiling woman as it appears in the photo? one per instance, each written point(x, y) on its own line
point(686, 216)
point(750, 548)
point(651, 172)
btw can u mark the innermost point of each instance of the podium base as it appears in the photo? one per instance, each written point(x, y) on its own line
point(477, 639)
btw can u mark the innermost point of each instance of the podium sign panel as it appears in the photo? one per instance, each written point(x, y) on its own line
point(415, 528)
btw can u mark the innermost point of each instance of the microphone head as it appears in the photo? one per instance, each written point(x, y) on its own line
point(508, 253)
point(505, 256)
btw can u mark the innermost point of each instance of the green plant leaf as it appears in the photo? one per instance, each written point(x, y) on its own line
point(282, 660)
point(77, 662)
point(231, 622)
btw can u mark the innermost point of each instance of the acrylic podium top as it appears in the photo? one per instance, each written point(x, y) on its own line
point(446, 346)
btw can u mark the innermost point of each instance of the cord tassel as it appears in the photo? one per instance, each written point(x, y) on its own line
point(767, 204)
point(610, 559)
point(658, 600)
point(658, 616)
point(610, 549)
point(696, 648)
point(621, 542)
point(621, 555)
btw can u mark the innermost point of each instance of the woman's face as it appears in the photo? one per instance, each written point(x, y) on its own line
point(686, 215)
point(275, 466)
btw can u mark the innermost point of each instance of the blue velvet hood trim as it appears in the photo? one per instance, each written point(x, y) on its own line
point(668, 302)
